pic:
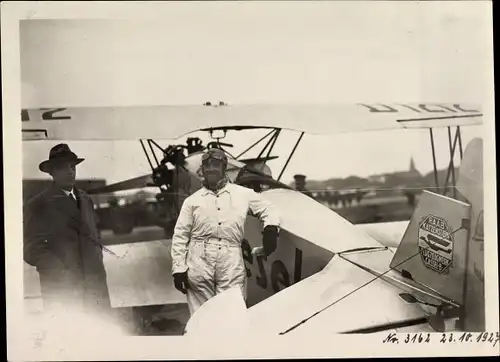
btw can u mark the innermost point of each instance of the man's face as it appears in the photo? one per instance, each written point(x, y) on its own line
point(64, 174)
point(213, 170)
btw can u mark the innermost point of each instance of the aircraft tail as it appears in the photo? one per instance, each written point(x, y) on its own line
point(442, 248)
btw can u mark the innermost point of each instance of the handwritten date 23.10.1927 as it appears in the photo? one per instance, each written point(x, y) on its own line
point(464, 337)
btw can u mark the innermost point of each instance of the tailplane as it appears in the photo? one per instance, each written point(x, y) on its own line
point(442, 248)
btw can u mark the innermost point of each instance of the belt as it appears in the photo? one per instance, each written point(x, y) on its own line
point(215, 242)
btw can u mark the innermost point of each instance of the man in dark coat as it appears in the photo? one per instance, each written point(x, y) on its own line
point(62, 241)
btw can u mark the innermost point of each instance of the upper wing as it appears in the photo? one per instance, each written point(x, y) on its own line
point(172, 122)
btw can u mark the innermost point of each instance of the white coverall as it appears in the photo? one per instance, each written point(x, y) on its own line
point(207, 239)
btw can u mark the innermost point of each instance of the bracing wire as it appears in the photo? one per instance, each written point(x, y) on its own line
point(348, 294)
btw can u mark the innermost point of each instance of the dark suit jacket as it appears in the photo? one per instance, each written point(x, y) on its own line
point(62, 241)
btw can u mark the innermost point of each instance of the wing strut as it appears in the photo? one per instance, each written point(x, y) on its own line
point(291, 154)
point(147, 156)
point(434, 158)
point(157, 145)
point(150, 143)
point(460, 143)
point(255, 144)
point(274, 139)
point(451, 164)
point(270, 141)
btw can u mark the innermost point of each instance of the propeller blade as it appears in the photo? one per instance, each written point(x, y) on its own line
point(134, 183)
point(258, 160)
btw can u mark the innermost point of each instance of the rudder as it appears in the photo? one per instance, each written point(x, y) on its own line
point(442, 247)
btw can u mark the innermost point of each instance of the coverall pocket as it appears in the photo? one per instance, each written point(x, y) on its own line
point(198, 269)
point(231, 270)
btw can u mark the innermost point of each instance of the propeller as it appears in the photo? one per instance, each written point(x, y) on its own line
point(130, 184)
point(161, 175)
point(258, 159)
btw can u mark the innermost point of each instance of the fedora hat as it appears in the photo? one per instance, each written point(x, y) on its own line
point(58, 154)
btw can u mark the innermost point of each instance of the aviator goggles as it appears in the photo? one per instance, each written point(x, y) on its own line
point(214, 155)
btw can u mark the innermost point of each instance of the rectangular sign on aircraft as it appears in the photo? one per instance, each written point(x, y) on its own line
point(433, 249)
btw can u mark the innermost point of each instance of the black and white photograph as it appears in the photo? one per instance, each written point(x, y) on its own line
point(249, 173)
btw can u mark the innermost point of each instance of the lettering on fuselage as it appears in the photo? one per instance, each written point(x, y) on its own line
point(417, 108)
point(277, 275)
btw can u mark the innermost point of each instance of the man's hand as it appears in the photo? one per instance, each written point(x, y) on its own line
point(181, 282)
point(270, 239)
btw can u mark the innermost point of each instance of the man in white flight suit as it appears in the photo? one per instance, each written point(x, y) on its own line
point(206, 246)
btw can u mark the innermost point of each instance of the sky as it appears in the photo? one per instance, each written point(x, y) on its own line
point(287, 53)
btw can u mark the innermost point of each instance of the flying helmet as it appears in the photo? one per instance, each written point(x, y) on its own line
point(214, 153)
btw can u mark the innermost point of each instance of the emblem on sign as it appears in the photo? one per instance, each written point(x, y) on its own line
point(435, 243)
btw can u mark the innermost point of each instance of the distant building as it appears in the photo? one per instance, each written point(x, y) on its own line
point(377, 198)
point(404, 176)
point(398, 178)
point(377, 178)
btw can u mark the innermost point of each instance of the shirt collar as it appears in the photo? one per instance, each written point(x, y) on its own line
point(72, 191)
point(224, 188)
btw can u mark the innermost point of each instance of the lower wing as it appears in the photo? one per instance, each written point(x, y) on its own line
point(342, 298)
point(388, 234)
point(138, 274)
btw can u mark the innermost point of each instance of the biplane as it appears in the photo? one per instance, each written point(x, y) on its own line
point(423, 275)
